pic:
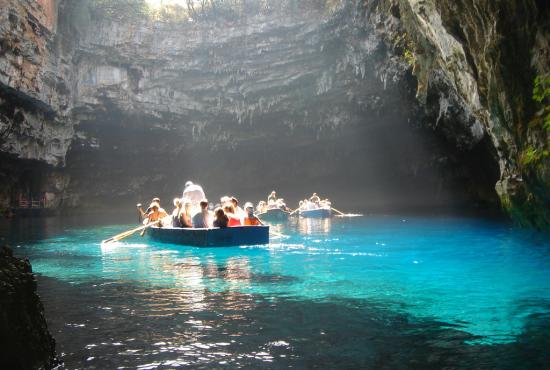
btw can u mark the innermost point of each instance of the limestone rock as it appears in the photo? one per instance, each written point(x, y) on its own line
point(24, 337)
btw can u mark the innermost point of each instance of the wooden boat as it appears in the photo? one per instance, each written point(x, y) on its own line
point(211, 237)
point(273, 215)
point(322, 212)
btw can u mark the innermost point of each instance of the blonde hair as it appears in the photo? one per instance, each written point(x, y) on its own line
point(177, 202)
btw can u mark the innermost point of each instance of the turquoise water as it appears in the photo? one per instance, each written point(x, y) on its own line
point(460, 289)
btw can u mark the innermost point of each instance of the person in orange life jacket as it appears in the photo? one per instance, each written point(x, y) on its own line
point(250, 219)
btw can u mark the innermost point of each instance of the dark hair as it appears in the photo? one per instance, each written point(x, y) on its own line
point(229, 208)
point(203, 203)
point(218, 212)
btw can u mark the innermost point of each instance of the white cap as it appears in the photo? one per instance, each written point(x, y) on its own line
point(188, 183)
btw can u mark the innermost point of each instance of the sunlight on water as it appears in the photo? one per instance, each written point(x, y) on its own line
point(474, 282)
point(482, 276)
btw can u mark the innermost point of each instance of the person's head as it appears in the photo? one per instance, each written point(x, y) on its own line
point(204, 204)
point(273, 192)
point(177, 202)
point(156, 200)
point(314, 194)
point(225, 199)
point(234, 201)
point(188, 183)
point(187, 206)
point(154, 206)
point(219, 213)
point(228, 208)
point(249, 207)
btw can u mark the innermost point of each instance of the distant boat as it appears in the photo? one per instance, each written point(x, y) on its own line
point(274, 215)
point(322, 212)
point(211, 237)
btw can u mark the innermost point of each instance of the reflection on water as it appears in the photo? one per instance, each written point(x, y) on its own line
point(331, 293)
point(310, 226)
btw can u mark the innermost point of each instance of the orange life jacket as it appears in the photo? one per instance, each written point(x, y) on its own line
point(251, 221)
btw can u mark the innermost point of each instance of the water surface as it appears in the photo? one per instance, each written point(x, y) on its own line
point(375, 291)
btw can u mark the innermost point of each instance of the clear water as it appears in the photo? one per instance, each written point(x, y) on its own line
point(374, 291)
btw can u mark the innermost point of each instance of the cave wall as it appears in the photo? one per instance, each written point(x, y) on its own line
point(35, 98)
point(249, 104)
point(392, 102)
point(476, 62)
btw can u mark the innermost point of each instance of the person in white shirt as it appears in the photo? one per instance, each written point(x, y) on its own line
point(194, 194)
point(203, 218)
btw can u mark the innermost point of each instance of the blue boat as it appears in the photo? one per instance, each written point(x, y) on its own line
point(273, 215)
point(323, 212)
point(211, 237)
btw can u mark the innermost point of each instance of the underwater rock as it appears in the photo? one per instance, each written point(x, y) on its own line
point(25, 341)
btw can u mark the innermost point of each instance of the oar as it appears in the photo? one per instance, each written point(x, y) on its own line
point(126, 234)
point(293, 212)
point(342, 214)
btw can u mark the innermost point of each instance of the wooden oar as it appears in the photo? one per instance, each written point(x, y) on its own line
point(126, 234)
point(293, 212)
point(342, 214)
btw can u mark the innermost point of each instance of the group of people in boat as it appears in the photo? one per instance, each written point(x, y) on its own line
point(192, 211)
point(272, 202)
point(314, 202)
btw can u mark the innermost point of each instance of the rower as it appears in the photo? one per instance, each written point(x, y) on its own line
point(155, 214)
point(272, 198)
point(144, 213)
point(315, 198)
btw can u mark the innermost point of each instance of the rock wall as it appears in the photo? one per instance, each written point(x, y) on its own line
point(476, 62)
point(403, 102)
point(299, 98)
point(24, 337)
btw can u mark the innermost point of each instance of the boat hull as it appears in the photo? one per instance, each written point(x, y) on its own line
point(316, 213)
point(211, 237)
point(273, 215)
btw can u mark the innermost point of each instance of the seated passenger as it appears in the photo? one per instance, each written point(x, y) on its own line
point(239, 212)
point(261, 207)
point(230, 213)
point(250, 219)
point(185, 215)
point(224, 200)
point(202, 219)
point(220, 218)
point(176, 213)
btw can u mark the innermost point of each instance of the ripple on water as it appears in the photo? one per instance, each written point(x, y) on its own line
point(451, 291)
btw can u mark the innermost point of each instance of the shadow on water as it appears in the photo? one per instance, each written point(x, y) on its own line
point(111, 325)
